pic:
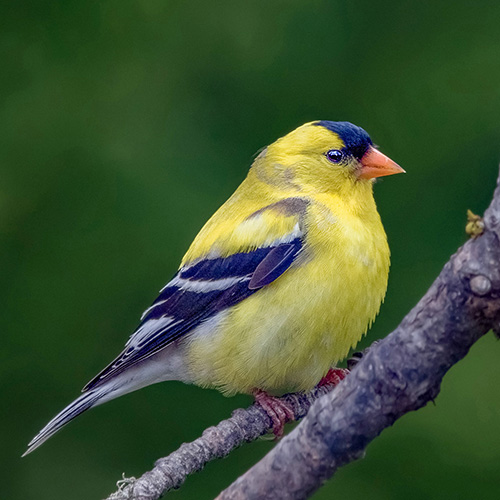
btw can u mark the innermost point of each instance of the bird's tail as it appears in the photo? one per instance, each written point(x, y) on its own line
point(79, 405)
point(135, 377)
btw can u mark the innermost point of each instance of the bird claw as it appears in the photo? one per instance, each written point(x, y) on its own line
point(334, 376)
point(278, 410)
point(359, 355)
point(354, 359)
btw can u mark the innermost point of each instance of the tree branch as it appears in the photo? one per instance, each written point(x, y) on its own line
point(401, 373)
point(216, 442)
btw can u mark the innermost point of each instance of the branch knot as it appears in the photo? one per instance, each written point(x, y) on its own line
point(480, 285)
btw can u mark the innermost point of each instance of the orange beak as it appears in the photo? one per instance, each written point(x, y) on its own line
point(376, 164)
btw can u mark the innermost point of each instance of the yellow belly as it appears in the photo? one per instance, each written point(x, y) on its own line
point(287, 335)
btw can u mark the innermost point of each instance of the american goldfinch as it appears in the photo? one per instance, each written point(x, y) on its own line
point(278, 285)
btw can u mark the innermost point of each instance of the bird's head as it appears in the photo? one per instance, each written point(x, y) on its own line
point(324, 155)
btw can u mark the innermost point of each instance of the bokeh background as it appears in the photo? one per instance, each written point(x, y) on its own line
point(124, 124)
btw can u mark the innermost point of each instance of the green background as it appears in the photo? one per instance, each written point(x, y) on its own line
point(125, 124)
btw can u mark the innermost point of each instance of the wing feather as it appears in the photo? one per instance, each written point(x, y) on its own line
point(274, 264)
point(195, 294)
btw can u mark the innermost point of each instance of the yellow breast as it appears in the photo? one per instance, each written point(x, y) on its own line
point(288, 334)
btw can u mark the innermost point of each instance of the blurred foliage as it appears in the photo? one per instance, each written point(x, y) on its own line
point(124, 124)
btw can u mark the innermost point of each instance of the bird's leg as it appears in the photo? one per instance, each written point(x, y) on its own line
point(334, 376)
point(281, 412)
point(278, 410)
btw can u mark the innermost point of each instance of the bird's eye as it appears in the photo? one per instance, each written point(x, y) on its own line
point(334, 155)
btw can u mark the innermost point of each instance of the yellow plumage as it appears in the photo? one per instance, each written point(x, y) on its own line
point(288, 334)
point(276, 288)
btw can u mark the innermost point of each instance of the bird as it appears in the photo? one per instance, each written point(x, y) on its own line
point(276, 288)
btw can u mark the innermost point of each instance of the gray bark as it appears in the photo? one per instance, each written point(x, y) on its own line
point(216, 442)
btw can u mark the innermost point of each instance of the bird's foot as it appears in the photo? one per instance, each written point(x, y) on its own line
point(355, 359)
point(334, 376)
point(279, 411)
point(357, 356)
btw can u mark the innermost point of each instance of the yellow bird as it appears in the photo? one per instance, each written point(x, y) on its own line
point(278, 285)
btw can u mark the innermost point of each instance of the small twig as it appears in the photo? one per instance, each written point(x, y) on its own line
point(216, 442)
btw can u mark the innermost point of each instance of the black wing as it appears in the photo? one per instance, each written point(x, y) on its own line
point(197, 292)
